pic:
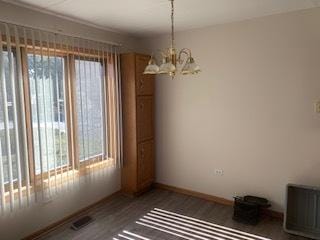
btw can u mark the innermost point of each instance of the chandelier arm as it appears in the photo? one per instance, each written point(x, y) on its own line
point(185, 51)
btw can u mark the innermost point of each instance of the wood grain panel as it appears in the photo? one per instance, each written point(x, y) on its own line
point(145, 164)
point(145, 118)
point(129, 170)
point(144, 83)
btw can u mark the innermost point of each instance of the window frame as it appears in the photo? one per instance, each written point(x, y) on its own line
point(99, 157)
point(46, 53)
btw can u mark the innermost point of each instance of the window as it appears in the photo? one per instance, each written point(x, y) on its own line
point(11, 144)
point(48, 111)
point(59, 113)
point(89, 105)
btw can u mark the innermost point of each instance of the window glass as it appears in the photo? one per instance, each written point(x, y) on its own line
point(7, 105)
point(47, 84)
point(89, 105)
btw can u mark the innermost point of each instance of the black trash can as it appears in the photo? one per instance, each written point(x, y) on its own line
point(247, 209)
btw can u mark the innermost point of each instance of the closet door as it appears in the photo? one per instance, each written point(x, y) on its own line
point(145, 119)
point(144, 82)
point(145, 163)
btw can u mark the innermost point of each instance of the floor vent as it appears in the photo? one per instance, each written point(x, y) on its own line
point(80, 223)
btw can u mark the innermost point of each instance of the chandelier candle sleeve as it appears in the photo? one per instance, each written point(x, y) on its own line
point(170, 58)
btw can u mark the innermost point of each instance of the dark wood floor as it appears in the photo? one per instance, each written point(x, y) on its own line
point(121, 212)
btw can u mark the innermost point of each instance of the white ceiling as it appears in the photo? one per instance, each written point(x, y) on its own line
point(147, 17)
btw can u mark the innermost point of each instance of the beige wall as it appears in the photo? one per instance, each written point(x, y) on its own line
point(250, 112)
point(29, 220)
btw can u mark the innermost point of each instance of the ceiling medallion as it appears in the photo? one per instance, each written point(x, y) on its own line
point(171, 58)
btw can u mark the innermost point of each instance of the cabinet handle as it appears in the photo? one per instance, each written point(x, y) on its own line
point(141, 105)
point(142, 153)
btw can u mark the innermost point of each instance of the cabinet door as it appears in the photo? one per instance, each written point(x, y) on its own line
point(145, 118)
point(145, 164)
point(144, 83)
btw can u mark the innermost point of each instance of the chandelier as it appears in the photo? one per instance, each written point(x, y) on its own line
point(171, 59)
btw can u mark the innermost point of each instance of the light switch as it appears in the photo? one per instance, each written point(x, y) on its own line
point(317, 107)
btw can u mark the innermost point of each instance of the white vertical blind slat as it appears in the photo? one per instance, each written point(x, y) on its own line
point(64, 90)
point(53, 140)
point(117, 107)
point(112, 102)
point(44, 102)
point(38, 121)
point(100, 70)
point(19, 75)
point(27, 173)
point(2, 190)
point(108, 102)
point(81, 105)
point(120, 134)
point(105, 91)
point(22, 114)
point(2, 185)
point(69, 57)
point(58, 111)
point(117, 102)
point(86, 100)
point(91, 81)
point(61, 165)
point(7, 123)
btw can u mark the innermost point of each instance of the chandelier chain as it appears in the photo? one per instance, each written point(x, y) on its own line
point(172, 24)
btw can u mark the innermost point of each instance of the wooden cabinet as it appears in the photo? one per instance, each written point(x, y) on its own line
point(138, 124)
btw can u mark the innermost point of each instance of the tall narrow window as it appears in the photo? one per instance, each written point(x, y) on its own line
point(89, 105)
point(47, 93)
point(11, 143)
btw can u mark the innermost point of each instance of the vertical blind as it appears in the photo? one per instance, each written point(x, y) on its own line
point(60, 113)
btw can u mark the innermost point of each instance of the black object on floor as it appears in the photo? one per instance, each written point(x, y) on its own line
point(247, 209)
point(80, 223)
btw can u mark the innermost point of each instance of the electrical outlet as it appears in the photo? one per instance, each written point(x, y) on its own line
point(317, 107)
point(218, 172)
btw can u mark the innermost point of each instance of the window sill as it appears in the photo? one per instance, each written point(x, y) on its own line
point(15, 191)
point(61, 178)
point(101, 164)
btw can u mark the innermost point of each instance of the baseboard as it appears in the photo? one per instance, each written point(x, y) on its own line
point(78, 213)
point(211, 198)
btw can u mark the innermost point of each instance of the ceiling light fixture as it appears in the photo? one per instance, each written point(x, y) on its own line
point(170, 58)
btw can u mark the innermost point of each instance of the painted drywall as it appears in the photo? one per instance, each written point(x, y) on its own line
point(250, 112)
point(79, 195)
point(28, 220)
